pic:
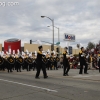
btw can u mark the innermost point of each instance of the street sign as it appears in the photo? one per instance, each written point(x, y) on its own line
point(57, 43)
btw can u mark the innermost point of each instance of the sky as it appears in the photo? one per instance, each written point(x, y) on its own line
point(23, 20)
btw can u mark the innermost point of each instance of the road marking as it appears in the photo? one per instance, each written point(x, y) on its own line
point(85, 75)
point(85, 91)
point(49, 90)
point(80, 76)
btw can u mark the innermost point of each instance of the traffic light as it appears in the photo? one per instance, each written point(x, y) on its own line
point(70, 50)
point(52, 47)
point(57, 49)
point(30, 41)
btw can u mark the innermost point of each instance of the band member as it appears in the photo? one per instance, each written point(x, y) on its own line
point(82, 61)
point(66, 64)
point(25, 62)
point(48, 63)
point(19, 63)
point(90, 61)
point(99, 62)
point(2, 62)
point(52, 60)
point(40, 64)
point(34, 61)
point(10, 63)
point(55, 62)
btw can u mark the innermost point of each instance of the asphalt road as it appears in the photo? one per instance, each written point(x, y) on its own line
point(24, 86)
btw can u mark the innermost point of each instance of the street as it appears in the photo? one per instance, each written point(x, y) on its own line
point(24, 86)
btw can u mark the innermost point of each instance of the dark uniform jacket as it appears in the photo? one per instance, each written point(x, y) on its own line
point(65, 60)
point(39, 57)
point(82, 58)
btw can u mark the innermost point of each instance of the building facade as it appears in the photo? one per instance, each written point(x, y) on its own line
point(34, 47)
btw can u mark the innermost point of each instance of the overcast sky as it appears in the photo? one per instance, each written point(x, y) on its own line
point(23, 21)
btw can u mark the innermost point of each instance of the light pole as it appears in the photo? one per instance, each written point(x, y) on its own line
point(52, 28)
point(58, 33)
point(58, 36)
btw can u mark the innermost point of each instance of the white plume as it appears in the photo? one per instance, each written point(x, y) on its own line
point(48, 51)
point(54, 52)
point(35, 53)
point(13, 51)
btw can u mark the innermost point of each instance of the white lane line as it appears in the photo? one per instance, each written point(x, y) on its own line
point(86, 75)
point(80, 76)
point(49, 90)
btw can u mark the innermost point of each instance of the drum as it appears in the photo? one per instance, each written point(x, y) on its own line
point(52, 59)
point(29, 60)
point(57, 59)
point(11, 60)
point(44, 60)
point(20, 60)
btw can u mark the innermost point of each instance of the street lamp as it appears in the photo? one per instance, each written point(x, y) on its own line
point(52, 28)
point(58, 35)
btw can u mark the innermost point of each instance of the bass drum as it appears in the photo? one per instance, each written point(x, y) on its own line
point(11, 60)
point(29, 60)
point(57, 59)
point(44, 60)
point(20, 60)
point(52, 59)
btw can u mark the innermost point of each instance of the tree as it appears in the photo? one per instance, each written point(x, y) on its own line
point(91, 45)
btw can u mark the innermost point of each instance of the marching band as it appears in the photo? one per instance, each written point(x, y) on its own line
point(26, 60)
point(44, 60)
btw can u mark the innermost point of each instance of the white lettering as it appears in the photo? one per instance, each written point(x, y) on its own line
point(3, 4)
point(13, 3)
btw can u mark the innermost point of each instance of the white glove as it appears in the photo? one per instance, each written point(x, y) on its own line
point(82, 55)
point(86, 56)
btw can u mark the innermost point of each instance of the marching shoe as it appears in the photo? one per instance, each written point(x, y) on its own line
point(45, 76)
point(86, 73)
point(37, 77)
point(67, 75)
point(64, 74)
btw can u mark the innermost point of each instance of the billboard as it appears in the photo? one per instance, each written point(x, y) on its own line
point(69, 37)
